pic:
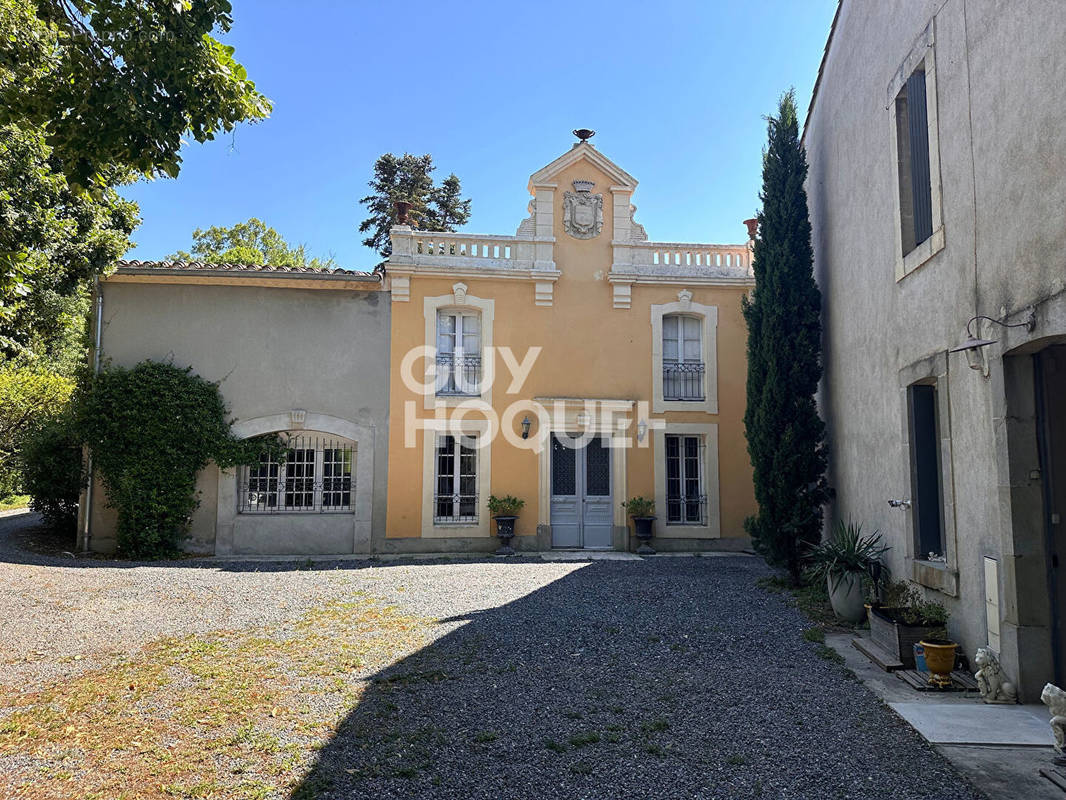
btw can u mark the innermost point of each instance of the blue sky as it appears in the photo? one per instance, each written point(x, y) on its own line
point(676, 92)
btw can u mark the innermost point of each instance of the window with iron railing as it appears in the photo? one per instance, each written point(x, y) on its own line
point(683, 366)
point(313, 474)
point(455, 498)
point(686, 495)
point(458, 353)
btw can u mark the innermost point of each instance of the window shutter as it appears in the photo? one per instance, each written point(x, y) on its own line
point(919, 142)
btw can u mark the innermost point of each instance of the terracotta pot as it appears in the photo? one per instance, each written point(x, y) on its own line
point(940, 659)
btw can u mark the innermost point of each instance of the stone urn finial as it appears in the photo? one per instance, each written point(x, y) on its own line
point(403, 208)
point(753, 227)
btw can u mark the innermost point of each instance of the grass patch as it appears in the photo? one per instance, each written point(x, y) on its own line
point(160, 723)
point(736, 760)
point(654, 725)
point(554, 746)
point(829, 654)
point(815, 634)
point(486, 736)
point(655, 749)
point(812, 598)
point(581, 768)
point(584, 739)
point(14, 501)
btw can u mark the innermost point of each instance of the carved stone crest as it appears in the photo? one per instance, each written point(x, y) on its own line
point(583, 211)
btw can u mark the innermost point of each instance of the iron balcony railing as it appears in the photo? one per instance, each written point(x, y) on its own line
point(683, 380)
point(458, 375)
point(690, 510)
point(458, 508)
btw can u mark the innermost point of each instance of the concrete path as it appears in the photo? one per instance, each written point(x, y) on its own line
point(1001, 749)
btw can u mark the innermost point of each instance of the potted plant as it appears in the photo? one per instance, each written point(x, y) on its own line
point(642, 510)
point(845, 560)
point(905, 618)
point(505, 511)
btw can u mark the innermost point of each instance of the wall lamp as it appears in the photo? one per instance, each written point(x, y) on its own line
point(974, 344)
point(526, 422)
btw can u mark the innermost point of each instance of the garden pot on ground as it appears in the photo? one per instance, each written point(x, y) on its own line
point(940, 660)
point(505, 533)
point(642, 529)
point(846, 598)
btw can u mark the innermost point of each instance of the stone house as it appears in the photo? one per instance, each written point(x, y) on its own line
point(937, 154)
point(574, 364)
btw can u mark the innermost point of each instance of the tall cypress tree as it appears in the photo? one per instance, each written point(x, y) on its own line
point(786, 437)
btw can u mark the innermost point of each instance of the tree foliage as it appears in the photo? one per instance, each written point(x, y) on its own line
point(251, 242)
point(29, 399)
point(151, 429)
point(433, 208)
point(786, 437)
point(53, 471)
point(93, 94)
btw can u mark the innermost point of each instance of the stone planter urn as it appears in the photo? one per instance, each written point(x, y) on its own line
point(642, 529)
point(845, 596)
point(505, 533)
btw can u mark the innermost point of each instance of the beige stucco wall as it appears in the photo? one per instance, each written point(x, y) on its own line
point(272, 350)
point(1001, 82)
point(590, 350)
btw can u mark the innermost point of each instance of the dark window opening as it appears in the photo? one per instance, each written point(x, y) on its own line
point(925, 471)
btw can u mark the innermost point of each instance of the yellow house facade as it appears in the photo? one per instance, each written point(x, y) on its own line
point(573, 365)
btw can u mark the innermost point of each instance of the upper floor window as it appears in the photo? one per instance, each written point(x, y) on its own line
point(313, 475)
point(912, 149)
point(683, 365)
point(458, 353)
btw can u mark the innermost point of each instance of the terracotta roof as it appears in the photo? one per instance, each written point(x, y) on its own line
point(201, 266)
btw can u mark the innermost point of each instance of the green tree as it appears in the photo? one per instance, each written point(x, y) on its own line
point(433, 208)
point(29, 398)
point(93, 94)
point(786, 437)
point(251, 242)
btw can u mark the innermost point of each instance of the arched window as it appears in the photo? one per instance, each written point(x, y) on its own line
point(683, 365)
point(458, 352)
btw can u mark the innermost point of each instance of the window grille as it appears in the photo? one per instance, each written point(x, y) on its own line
point(683, 366)
point(458, 353)
point(455, 499)
point(315, 474)
point(686, 496)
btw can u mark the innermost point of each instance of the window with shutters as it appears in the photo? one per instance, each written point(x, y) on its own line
point(683, 365)
point(458, 353)
point(911, 101)
point(912, 148)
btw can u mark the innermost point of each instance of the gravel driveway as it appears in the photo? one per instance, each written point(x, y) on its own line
point(662, 678)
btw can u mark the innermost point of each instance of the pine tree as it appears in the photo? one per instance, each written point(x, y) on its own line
point(448, 209)
point(786, 436)
point(433, 208)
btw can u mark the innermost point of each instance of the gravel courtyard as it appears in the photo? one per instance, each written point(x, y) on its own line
point(662, 678)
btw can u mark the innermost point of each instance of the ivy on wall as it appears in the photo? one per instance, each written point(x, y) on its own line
point(151, 429)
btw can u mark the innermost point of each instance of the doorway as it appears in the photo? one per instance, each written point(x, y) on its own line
point(1049, 369)
point(582, 513)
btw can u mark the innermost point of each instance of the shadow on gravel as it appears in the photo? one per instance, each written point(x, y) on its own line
point(672, 678)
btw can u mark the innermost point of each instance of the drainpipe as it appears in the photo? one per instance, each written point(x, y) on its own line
point(85, 537)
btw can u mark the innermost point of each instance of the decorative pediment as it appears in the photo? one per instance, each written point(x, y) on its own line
point(587, 152)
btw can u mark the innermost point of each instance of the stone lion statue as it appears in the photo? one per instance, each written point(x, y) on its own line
point(992, 684)
point(1055, 699)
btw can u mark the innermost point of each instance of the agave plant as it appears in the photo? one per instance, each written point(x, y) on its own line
point(846, 552)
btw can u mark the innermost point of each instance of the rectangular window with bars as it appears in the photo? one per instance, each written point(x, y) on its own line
point(458, 353)
point(683, 366)
point(686, 495)
point(455, 497)
point(314, 474)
